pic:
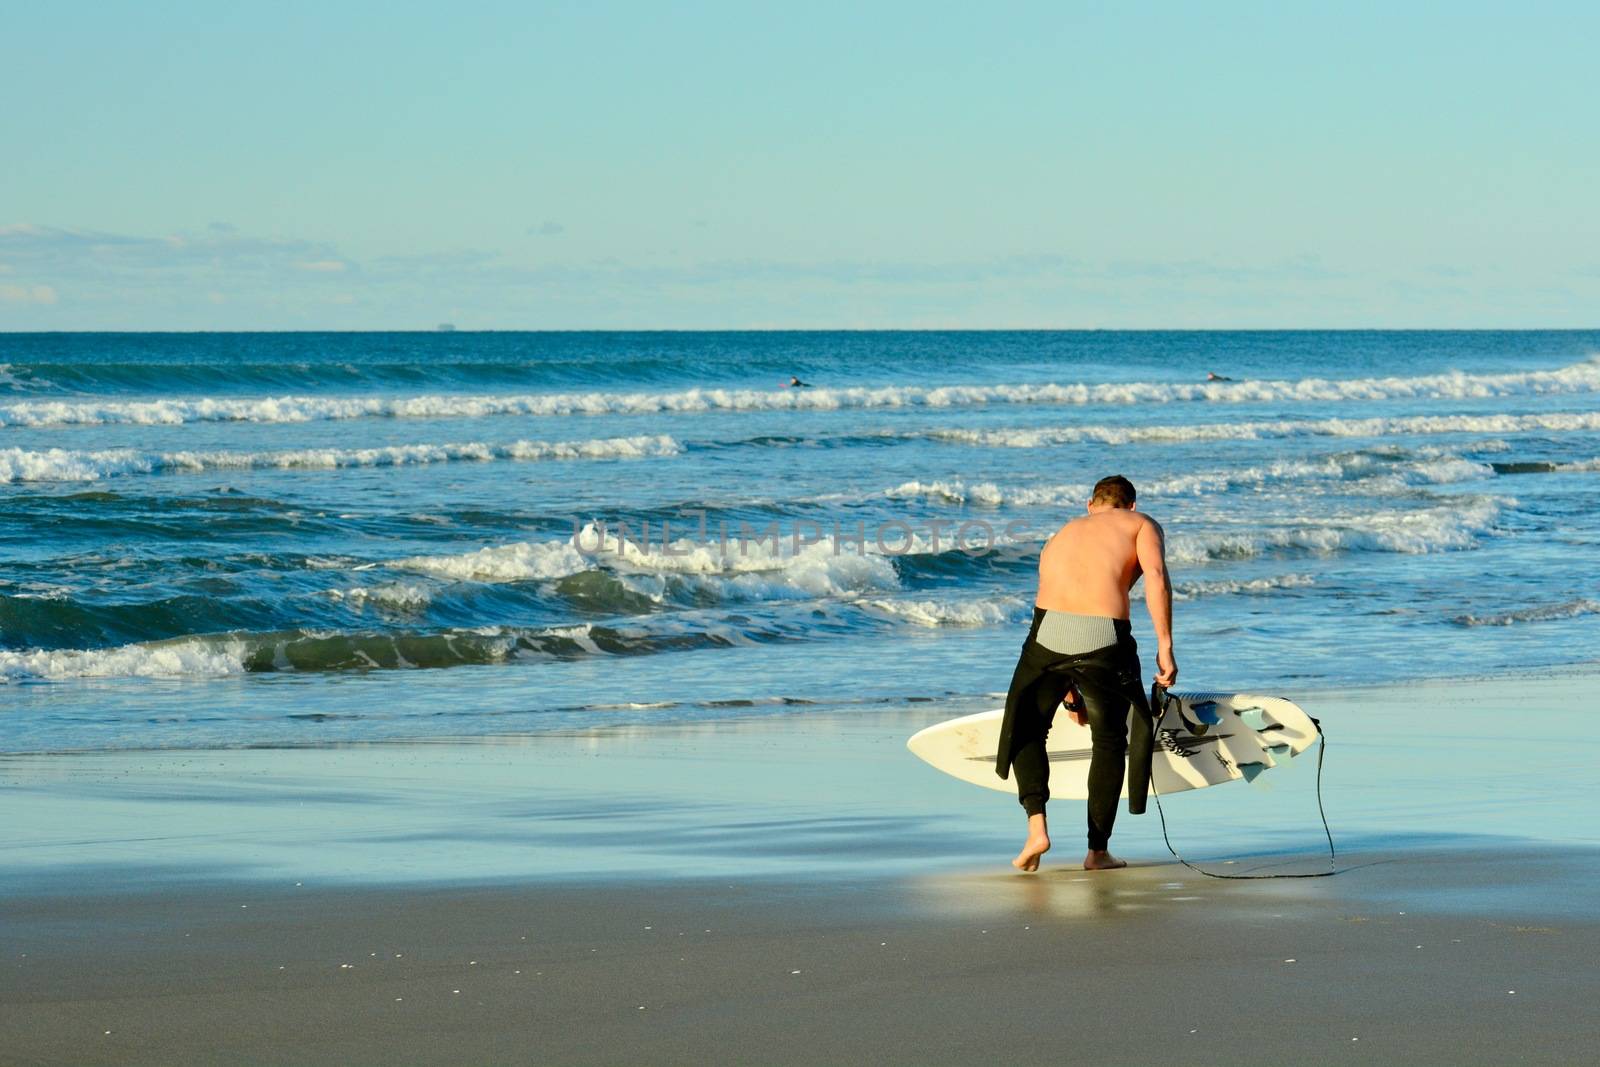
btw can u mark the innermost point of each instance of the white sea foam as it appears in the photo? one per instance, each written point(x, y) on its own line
point(1241, 587)
point(1445, 470)
point(633, 705)
point(1251, 431)
point(1577, 378)
point(171, 659)
point(811, 562)
point(66, 465)
point(397, 596)
point(1569, 609)
point(42, 591)
point(954, 492)
point(1355, 471)
point(523, 561)
point(956, 612)
point(1460, 524)
point(742, 569)
point(578, 635)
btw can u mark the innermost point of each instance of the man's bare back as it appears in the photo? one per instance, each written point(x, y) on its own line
point(1092, 562)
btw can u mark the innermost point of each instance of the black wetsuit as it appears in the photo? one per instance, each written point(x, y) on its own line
point(1110, 683)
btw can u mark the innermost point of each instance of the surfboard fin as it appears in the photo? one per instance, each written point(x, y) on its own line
point(1255, 718)
point(1205, 716)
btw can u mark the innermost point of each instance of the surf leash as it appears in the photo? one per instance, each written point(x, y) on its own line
point(1162, 696)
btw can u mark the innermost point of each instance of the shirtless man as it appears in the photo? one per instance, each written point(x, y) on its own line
point(1080, 649)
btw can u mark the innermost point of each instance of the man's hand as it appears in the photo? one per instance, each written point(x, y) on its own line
point(1166, 668)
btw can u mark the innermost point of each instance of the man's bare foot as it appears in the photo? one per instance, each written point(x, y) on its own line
point(1028, 859)
point(1101, 860)
point(1037, 845)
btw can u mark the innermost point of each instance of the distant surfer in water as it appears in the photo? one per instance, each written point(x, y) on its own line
point(796, 383)
point(1080, 651)
point(1213, 376)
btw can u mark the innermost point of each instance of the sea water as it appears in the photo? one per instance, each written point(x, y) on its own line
point(246, 539)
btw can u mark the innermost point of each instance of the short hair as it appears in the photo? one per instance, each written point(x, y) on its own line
point(1115, 490)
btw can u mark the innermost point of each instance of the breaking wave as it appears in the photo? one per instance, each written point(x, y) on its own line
point(1547, 466)
point(1241, 587)
point(1578, 378)
point(66, 465)
point(1459, 525)
point(1349, 470)
point(391, 596)
point(1263, 430)
point(1570, 609)
point(967, 611)
point(308, 650)
point(741, 570)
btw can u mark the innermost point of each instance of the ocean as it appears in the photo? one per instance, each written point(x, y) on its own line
point(221, 540)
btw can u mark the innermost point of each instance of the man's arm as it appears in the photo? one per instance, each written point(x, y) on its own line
point(1151, 547)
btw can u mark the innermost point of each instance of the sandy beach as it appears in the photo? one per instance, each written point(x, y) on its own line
point(798, 889)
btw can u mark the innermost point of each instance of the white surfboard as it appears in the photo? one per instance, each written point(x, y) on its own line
point(1202, 739)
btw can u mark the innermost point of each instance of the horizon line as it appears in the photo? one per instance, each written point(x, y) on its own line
point(823, 329)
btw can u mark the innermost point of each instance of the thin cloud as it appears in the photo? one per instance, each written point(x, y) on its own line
point(50, 253)
point(218, 278)
point(27, 294)
point(57, 247)
point(425, 262)
point(20, 239)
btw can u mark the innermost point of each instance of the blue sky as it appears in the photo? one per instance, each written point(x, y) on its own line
point(356, 165)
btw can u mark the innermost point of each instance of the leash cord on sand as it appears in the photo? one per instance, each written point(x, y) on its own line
point(1322, 747)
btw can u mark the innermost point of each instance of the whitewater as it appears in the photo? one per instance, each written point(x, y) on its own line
point(249, 539)
point(1579, 378)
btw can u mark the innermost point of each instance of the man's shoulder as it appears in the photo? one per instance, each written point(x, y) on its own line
point(1072, 524)
point(1131, 522)
point(1137, 522)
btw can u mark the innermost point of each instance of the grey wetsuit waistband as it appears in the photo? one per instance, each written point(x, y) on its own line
point(1070, 634)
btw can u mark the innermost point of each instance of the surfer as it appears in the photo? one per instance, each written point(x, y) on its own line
point(1080, 651)
point(1213, 376)
point(796, 383)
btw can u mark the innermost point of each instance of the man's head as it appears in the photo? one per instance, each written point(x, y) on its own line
point(1113, 492)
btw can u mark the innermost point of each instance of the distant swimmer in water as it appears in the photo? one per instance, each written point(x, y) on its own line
point(796, 383)
point(1213, 376)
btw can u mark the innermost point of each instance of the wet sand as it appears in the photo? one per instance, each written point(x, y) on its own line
point(799, 890)
point(1135, 965)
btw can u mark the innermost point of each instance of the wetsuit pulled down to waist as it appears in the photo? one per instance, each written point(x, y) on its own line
point(1097, 656)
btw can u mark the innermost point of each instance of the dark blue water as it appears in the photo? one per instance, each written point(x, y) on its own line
point(271, 538)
